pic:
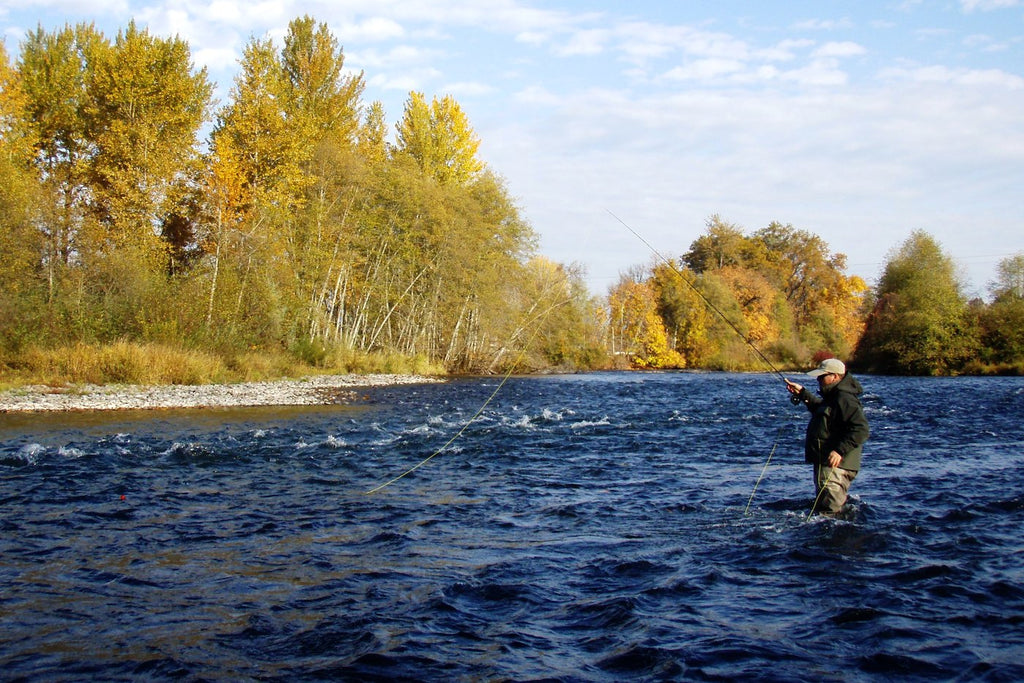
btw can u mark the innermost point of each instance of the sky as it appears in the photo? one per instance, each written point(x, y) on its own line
point(859, 122)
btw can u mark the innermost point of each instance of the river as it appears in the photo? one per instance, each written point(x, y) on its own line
point(595, 527)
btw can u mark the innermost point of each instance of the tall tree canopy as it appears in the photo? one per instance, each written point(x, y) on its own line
point(920, 323)
point(439, 137)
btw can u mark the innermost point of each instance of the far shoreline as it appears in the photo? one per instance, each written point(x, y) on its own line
point(310, 391)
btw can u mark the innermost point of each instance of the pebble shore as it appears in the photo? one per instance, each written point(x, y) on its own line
point(319, 390)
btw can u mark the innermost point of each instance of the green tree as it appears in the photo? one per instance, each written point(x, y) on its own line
point(722, 245)
point(54, 73)
point(920, 324)
point(1002, 321)
point(115, 128)
point(1009, 282)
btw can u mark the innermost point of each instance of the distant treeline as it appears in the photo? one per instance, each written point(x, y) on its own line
point(300, 226)
point(782, 290)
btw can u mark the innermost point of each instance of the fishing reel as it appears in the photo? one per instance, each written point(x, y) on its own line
point(795, 399)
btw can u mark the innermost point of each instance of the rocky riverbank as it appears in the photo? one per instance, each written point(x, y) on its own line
point(319, 390)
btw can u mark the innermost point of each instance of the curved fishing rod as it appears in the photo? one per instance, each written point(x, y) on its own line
point(710, 304)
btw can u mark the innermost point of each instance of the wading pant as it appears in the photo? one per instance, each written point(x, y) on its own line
point(831, 485)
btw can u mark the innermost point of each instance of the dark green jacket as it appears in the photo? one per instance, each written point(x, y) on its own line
point(837, 424)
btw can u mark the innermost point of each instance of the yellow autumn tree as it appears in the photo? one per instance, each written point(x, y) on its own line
point(439, 137)
point(637, 328)
point(19, 240)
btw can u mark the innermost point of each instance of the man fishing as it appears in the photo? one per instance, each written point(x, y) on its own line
point(836, 433)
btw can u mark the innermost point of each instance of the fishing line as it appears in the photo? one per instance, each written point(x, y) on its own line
point(480, 411)
point(828, 479)
point(764, 469)
point(451, 440)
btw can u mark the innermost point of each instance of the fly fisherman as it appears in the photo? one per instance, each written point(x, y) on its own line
point(836, 433)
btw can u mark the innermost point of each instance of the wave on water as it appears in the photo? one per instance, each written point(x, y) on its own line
point(599, 527)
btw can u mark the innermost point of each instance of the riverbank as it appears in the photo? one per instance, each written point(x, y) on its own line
point(317, 390)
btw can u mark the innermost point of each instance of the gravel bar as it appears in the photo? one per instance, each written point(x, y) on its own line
point(318, 390)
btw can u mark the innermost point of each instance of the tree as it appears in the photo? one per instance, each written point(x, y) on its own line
point(637, 328)
point(721, 246)
point(301, 227)
point(1002, 321)
point(115, 130)
point(372, 138)
point(689, 321)
point(1009, 282)
point(438, 136)
point(323, 102)
point(920, 324)
point(146, 109)
point(53, 72)
point(20, 247)
point(824, 302)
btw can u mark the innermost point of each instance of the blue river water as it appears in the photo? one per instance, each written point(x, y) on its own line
point(596, 527)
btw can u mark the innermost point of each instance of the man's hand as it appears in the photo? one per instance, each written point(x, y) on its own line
point(793, 387)
point(834, 459)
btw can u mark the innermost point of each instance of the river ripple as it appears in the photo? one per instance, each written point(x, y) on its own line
point(584, 528)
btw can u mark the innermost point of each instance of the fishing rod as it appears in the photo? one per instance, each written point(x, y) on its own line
point(710, 304)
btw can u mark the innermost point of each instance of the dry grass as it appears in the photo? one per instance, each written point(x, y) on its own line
point(118, 363)
point(159, 364)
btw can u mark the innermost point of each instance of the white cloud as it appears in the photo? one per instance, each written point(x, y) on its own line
point(784, 51)
point(985, 43)
point(823, 25)
point(226, 11)
point(639, 41)
point(468, 89)
point(705, 69)
point(537, 96)
point(374, 29)
point(956, 76)
point(532, 37)
point(405, 81)
point(217, 59)
point(588, 42)
point(848, 164)
point(822, 72)
point(988, 5)
point(398, 56)
point(844, 49)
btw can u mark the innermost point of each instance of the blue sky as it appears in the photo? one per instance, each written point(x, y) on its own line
point(859, 122)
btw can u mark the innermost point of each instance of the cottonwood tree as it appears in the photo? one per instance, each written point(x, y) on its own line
point(53, 71)
point(115, 127)
point(19, 240)
point(439, 137)
point(920, 324)
point(1002, 321)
